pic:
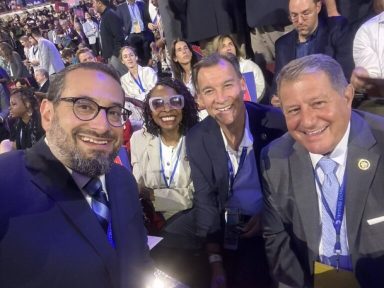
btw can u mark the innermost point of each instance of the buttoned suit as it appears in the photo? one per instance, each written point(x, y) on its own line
point(50, 237)
point(292, 226)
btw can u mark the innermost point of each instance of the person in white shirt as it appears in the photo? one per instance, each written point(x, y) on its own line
point(136, 83)
point(368, 46)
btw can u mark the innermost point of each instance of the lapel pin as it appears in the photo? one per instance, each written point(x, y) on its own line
point(364, 164)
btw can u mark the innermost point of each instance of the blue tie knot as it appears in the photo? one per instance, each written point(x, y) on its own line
point(93, 187)
point(327, 165)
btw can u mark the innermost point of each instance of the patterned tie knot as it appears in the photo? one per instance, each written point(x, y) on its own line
point(94, 187)
point(327, 165)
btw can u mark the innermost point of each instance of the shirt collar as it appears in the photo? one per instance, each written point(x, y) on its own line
point(339, 154)
point(247, 139)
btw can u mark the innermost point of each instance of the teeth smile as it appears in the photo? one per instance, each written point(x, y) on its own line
point(224, 109)
point(169, 118)
point(315, 131)
point(91, 140)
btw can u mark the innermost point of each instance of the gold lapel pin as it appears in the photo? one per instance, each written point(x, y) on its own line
point(364, 164)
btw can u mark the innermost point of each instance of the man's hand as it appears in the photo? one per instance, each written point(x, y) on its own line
point(358, 79)
point(252, 228)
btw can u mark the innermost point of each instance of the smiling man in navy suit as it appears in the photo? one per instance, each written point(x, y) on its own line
point(55, 229)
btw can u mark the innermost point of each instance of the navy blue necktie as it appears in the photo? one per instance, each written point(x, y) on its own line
point(99, 202)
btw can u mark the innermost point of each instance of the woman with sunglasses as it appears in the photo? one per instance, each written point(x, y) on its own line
point(136, 83)
point(224, 44)
point(158, 150)
point(161, 168)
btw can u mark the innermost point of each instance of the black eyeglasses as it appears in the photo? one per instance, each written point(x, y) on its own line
point(86, 109)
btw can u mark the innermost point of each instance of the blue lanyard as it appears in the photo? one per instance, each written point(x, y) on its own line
point(231, 172)
point(138, 82)
point(337, 219)
point(168, 184)
point(110, 236)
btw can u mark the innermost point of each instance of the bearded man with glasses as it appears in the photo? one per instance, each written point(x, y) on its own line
point(69, 216)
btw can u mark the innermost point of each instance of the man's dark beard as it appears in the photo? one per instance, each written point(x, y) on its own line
point(97, 164)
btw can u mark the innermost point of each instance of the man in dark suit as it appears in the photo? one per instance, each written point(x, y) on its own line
point(313, 34)
point(303, 222)
point(110, 34)
point(42, 79)
point(135, 16)
point(224, 180)
point(55, 231)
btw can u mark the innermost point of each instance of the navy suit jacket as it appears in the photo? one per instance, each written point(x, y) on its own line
point(111, 34)
point(50, 237)
point(123, 12)
point(209, 168)
point(292, 226)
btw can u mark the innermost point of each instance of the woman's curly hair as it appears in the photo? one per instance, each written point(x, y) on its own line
point(189, 113)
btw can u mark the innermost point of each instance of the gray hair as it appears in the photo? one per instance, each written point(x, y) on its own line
point(313, 64)
point(43, 72)
point(213, 60)
point(57, 84)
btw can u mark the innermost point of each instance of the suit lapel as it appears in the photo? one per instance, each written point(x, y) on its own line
point(54, 180)
point(214, 144)
point(304, 190)
point(358, 179)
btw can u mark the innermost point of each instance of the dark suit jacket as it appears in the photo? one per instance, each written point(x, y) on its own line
point(44, 88)
point(208, 160)
point(329, 40)
point(207, 18)
point(111, 33)
point(123, 12)
point(50, 237)
point(292, 228)
point(266, 12)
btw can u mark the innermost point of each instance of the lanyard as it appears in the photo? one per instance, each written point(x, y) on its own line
point(231, 172)
point(138, 82)
point(337, 219)
point(168, 184)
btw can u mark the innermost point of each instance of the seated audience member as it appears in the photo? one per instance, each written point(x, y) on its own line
point(368, 54)
point(323, 186)
point(182, 61)
point(223, 152)
point(42, 79)
point(69, 56)
point(136, 83)
point(13, 63)
point(4, 104)
point(368, 46)
point(158, 150)
point(313, 33)
point(225, 44)
point(162, 171)
point(25, 124)
point(85, 55)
